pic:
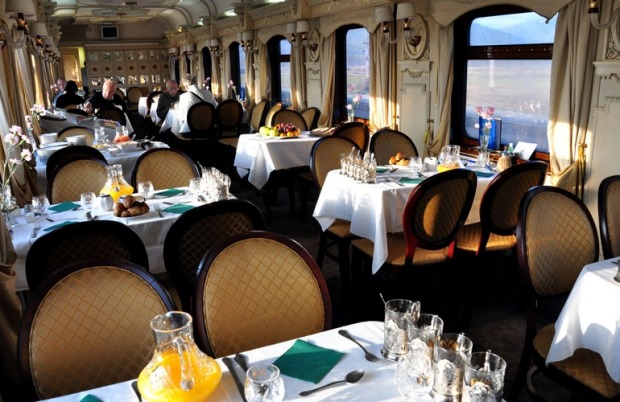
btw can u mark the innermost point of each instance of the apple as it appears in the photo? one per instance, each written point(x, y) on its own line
point(264, 130)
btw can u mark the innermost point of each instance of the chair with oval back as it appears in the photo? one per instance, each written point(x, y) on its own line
point(229, 115)
point(272, 110)
point(201, 119)
point(77, 130)
point(386, 143)
point(165, 168)
point(274, 275)
point(88, 326)
point(258, 116)
point(114, 114)
point(609, 215)
point(133, 98)
point(311, 116)
point(355, 131)
point(80, 242)
point(289, 116)
point(199, 229)
point(73, 152)
point(74, 177)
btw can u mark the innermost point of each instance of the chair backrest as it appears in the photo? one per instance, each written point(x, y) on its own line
point(229, 116)
point(609, 215)
point(325, 156)
point(72, 178)
point(272, 110)
point(133, 96)
point(151, 98)
point(165, 168)
point(289, 116)
point(112, 113)
point(119, 93)
point(77, 130)
point(199, 229)
point(201, 118)
point(386, 143)
point(71, 153)
point(271, 273)
point(311, 116)
point(81, 242)
point(556, 238)
point(355, 131)
point(499, 208)
point(79, 112)
point(87, 326)
point(258, 115)
point(437, 209)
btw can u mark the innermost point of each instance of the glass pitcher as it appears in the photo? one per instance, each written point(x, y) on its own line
point(449, 158)
point(116, 186)
point(178, 371)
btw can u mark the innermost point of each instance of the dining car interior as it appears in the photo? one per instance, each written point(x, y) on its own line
point(309, 200)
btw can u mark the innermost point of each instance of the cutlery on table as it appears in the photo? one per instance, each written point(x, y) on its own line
point(158, 210)
point(34, 232)
point(369, 356)
point(392, 170)
point(64, 219)
point(134, 385)
point(420, 175)
point(395, 181)
point(229, 363)
point(242, 361)
point(350, 378)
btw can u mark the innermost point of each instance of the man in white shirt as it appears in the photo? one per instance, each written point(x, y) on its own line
point(192, 96)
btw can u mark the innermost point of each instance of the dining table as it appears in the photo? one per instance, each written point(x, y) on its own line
point(150, 227)
point(376, 209)
point(257, 156)
point(590, 318)
point(377, 384)
point(55, 123)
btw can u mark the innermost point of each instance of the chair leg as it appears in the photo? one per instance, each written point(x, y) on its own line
point(344, 265)
point(522, 374)
point(322, 248)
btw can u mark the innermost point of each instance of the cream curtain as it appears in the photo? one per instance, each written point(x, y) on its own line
point(249, 79)
point(173, 73)
point(328, 58)
point(571, 88)
point(382, 89)
point(265, 75)
point(443, 90)
point(298, 78)
point(216, 77)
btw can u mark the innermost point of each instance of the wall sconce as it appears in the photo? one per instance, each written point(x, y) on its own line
point(188, 51)
point(20, 10)
point(593, 11)
point(246, 41)
point(172, 54)
point(298, 32)
point(404, 11)
point(38, 31)
point(214, 48)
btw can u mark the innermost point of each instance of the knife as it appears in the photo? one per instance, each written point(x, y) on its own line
point(242, 361)
point(229, 363)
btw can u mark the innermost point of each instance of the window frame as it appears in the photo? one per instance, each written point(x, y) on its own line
point(207, 65)
point(463, 52)
point(276, 58)
point(235, 69)
point(340, 74)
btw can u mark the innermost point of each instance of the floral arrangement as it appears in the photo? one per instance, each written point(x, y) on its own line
point(37, 111)
point(355, 102)
point(231, 85)
point(208, 83)
point(487, 115)
point(14, 140)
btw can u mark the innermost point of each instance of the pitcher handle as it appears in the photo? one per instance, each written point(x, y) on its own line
point(187, 378)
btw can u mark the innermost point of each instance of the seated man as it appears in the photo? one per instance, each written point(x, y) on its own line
point(59, 87)
point(70, 96)
point(167, 99)
point(192, 96)
point(104, 99)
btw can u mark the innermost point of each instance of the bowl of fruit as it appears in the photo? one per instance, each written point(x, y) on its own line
point(280, 130)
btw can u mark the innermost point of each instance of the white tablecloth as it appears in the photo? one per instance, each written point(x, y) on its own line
point(376, 385)
point(374, 210)
point(590, 318)
point(54, 126)
point(173, 123)
point(260, 155)
point(150, 227)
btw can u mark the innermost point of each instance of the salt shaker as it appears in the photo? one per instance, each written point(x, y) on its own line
point(106, 203)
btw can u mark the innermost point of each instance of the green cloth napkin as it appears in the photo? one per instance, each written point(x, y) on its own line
point(59, 225)
point(90, 398)
point(410, 180)
point(307, 362)
point(382, 169)
point(484, 174)
point(169, 193)
point(178, 208)
point(64, 206)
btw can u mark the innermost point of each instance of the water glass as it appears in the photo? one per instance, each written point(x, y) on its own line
point(29, 213)
point(450, 155)
point(145, 189)
point(484, 377)
point(399, 313)
point(483, 158)
point(450, 354)
point(263, 383)
point(40, 203)
point(414, 374)
point(88, 200)
point(416, 163)
point(195, 186)
point(424, 333)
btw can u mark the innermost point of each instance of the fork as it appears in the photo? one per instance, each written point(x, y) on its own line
point(369, 356)
point(158, 210)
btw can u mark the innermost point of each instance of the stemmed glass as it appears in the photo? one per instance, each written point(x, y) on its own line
point(264, 384)
point(88, 201)
point(40, 204)
point(145, 189)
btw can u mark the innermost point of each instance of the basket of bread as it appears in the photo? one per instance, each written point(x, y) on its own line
point(130, 207)
point(399, 159)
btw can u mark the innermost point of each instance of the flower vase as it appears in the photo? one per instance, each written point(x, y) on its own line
point(350, 115)
point(8, 204)
point(486, 128)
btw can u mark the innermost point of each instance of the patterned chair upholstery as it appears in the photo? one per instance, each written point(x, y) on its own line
point(165, 168)
point(311, 116)
point(229, 115)
point(80, 242)
point(72, 178)
point(386, 142)
point(73, 152)
point(113, 113)
point(289, 116)
point(88, 326)
point(609, 216)
point(77, 130)
point(201, 119)
point(272, 110)
point(256, 289)
point(199, 229)
point(355, 131)
point(556, 237)
point(258, 115)
point(133, 98)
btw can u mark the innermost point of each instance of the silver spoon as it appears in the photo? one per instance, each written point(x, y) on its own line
point(369, 356)
point(351, 378)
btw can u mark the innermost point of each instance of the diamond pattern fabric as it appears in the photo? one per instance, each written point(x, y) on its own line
point(356, 132)
point(76, 177)
point(386, 143)
point(165, 168)
point(609, 213)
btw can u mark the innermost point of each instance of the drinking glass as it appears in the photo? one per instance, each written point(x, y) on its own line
point(450, 155)
point(484, 377)
point(416, 163)
point(263, 383)
point(145, 189)
point(414, 374)
point(424, 333)
point(40, 204)
point(450, 354)
point(88, 201)
point(195, 187)
point(399, 313)
point(29, 213)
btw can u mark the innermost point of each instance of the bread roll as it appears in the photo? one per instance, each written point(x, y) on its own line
point(128, 201)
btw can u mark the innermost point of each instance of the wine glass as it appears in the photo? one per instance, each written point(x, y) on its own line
point(145, 188)
point(264, 384)
point(40, 204)
point(195, 187)
point(88, 201)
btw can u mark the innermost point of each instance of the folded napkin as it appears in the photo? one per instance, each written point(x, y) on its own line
point(484, 174)
point(307, 362)
point(178, 208)
point(382, 169)
point(411, 180)
point(59, 225)
point(63, 206)
point(90, 398)
point(169, 193)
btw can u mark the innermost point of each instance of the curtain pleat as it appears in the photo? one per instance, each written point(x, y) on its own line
point(298, 78)
point(249, 79)
point(265, 75)
point(216, 77)
point(382, 92)
point(328, 58)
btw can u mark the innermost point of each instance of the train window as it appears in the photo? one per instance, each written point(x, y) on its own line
point(234, 83)
point(207, 67)
point(242, 84)
point(280, 60)
point(353, 74)
point(503, 64)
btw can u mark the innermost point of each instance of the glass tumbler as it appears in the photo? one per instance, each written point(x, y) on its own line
point(450, 355)
point(484, 377)
point(263, 383)
point(399, 313)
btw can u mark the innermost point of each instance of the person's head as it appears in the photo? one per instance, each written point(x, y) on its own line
point(188, 80)
point(109, 87)
point(171, 87)
point(60, 83)
point(71, 87)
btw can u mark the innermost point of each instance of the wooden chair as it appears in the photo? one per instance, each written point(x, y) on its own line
point(229, 115)
point(386, 142)
point(355, 131)
point(113, 113)
point(119, 93)
point(271, 112)
point(165, 168)
point(71, 153)
point(72, 178)
point(289, 116)
point(258, 116)
point(311, 116)
point(201, 119)
point(133, 98)
point(556, 237)
point(196, 231)
point(77, 130)
point(609, 216)
point(88, 326)
point(81, 242)
point(256, 289)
